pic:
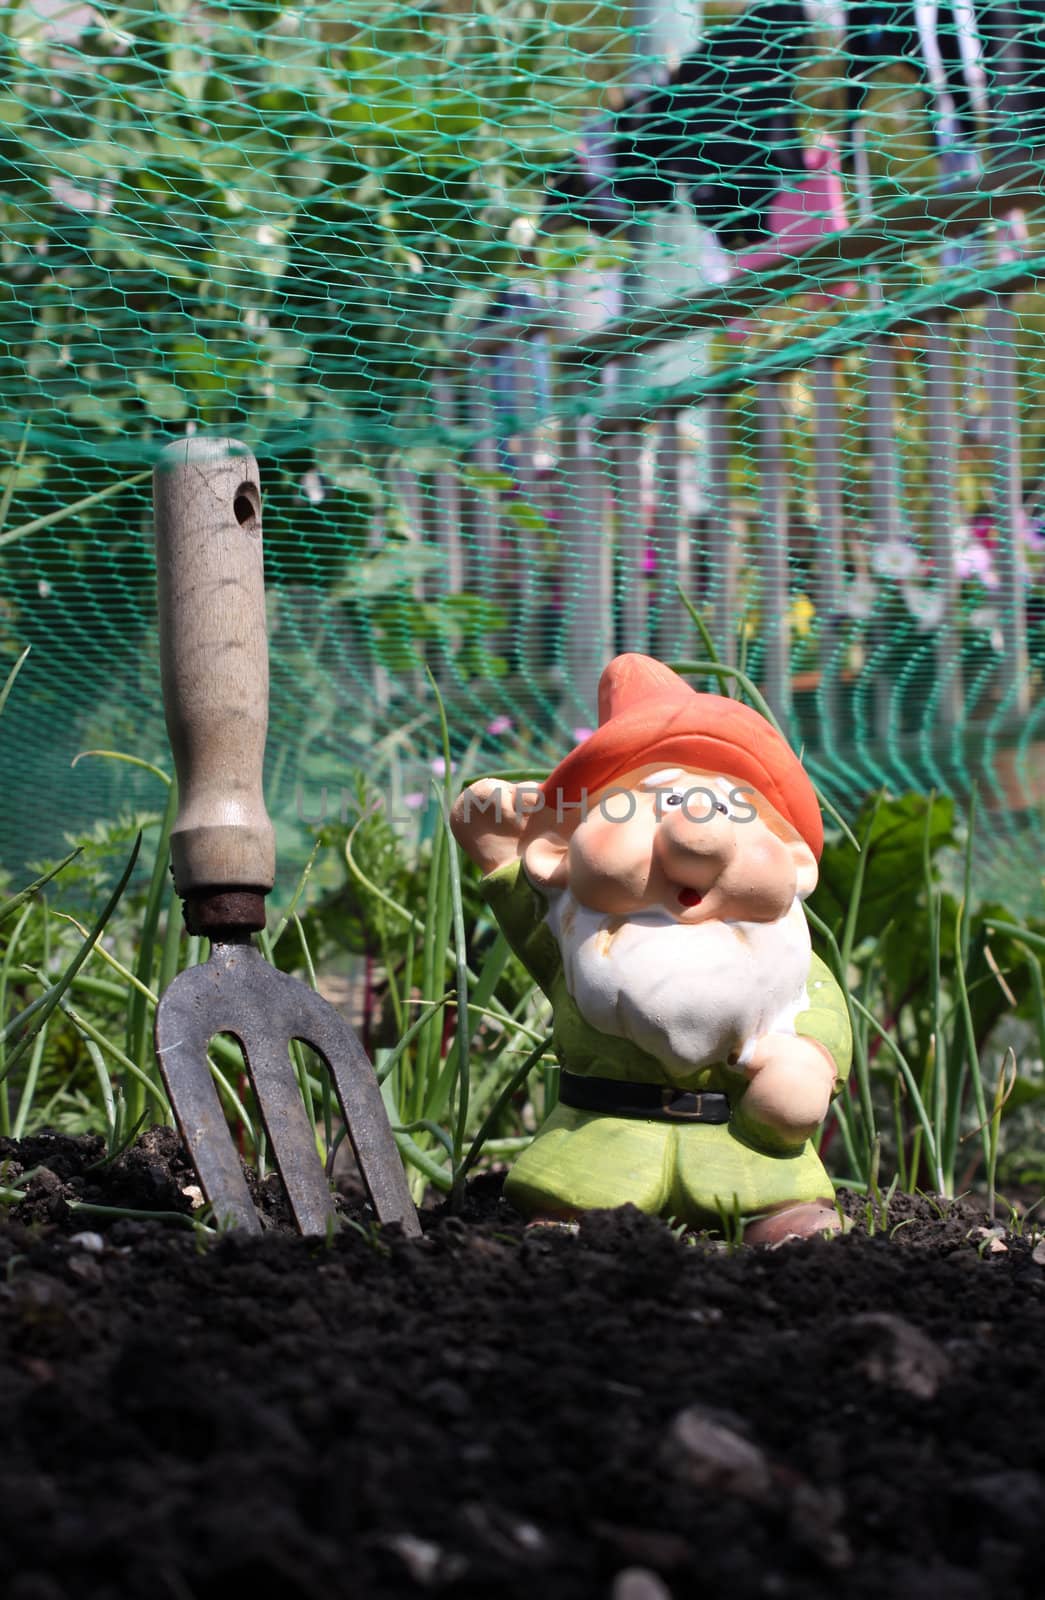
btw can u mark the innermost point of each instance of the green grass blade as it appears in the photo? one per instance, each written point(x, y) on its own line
point(89, 1030)
point(464, 1021)
point(170, 950)
point(425, 1043)
point(910, 1083)
point(138, 1042)
point(511, 1088)
point(843, 1116)
point(11, 676)
point(700, 625)
point(1035, 941)
point(106, 1089)
point(55, 994)
point(1001, 1095)
point(63, 512)
point(371, 887)
point(975, 1068)
point(32, 1076)
point(494, 963)
point(131, 761)
point(5, 974)
point(295, 900)
point(12, 476)
point(9, 907)
point(967, 885)
point(433, 1129)
point(389, 1065)
point(856, 895)
point(861, 1061)
point(422, 1162)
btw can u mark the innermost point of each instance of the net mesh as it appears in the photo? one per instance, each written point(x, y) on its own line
point(534, 315)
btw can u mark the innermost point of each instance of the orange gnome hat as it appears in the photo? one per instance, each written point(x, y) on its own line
point(648, 714)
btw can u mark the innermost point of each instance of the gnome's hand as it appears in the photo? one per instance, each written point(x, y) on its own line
point(791, 1081)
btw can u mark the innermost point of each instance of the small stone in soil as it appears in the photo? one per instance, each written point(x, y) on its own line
point(893, 1352)
point(93, 1243)
point(638, 1583)
point(707, 1448)
point(427, 1563)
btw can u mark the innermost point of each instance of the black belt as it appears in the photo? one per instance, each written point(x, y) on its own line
point(653, 1101)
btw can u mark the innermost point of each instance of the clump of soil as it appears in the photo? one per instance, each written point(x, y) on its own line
point(490, 1411)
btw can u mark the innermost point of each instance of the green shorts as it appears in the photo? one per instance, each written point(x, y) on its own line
point(693, 1172)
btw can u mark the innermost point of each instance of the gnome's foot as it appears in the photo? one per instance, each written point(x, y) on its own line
point(802, 1221)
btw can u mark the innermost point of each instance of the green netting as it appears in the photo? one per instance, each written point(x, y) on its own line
point(532, 312)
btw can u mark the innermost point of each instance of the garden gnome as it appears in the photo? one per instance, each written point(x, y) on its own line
point(653, 886)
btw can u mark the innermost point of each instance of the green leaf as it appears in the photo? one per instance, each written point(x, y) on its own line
point(494, 481)
point(390, 569)
point(893, 870)
point(526, 516)
point(161, 399)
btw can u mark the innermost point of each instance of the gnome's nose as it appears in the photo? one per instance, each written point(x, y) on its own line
point(695, 847)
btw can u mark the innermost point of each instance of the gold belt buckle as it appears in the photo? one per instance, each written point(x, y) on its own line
point(694, 1109)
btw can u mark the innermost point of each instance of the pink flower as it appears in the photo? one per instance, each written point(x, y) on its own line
point(415, 800)
point(975, 561)
point(499, 725)
point(439, 767)
point(580, 734)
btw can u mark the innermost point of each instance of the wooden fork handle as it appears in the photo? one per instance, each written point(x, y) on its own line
point(214, 665)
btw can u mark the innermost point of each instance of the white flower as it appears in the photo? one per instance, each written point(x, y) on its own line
point(522, 232)
point(895, 559)
point(983, 618)
point(312, 487)
point(925, 605)
point(858, 599)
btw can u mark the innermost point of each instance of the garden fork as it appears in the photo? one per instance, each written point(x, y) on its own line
point(214, 668)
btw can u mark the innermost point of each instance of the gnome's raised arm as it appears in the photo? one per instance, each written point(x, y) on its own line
point(486, 824)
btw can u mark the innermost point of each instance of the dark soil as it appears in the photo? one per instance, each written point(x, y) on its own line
point(491, 1412)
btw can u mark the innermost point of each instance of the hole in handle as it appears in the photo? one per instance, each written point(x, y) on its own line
point(246, 507)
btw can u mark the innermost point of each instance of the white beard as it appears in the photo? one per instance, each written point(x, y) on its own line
point(689, 995)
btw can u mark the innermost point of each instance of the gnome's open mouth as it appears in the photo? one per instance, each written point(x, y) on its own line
point(690, 897)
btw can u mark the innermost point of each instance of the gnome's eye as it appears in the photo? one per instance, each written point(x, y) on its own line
point(720, 807)
point(675, 799)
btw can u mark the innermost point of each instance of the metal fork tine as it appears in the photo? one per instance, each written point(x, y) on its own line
point(290, 1133)
point(359, 1096)
point(182, 1037)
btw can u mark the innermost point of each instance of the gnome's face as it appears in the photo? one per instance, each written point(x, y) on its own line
point(673, 845)
point(675, 901)
point(695, 845)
